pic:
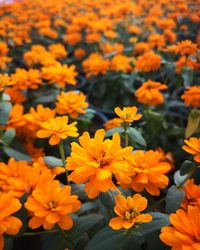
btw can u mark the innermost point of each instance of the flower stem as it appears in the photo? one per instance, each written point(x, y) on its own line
point(62, 232)
point(62, 155)
point(126, 136)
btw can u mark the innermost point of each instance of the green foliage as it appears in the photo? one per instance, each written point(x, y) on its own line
point(173, 199)
point(52, 161)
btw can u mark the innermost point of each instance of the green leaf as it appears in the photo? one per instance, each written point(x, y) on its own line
point(159, 220)
point(178, 178)
point(193, 123)
point(114, 130)
point(79, 189)
point(5, 108)
point(8, 136)
point(84, 224)
point(173, 199)
point(16, 154)
point(107, 239)
point(187, 75)
point(186, 166)
point(87, 207)
point(52, 161)
point(136, 136)
point(107, 199)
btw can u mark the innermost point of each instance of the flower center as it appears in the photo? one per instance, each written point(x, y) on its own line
point(52, 205)
point(131, 214)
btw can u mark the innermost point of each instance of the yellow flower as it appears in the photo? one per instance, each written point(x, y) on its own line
point(57, 129)
point(128, 114)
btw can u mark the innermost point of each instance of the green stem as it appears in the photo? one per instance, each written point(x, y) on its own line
point(126, 136)
point(63, 233)
point(62, 155)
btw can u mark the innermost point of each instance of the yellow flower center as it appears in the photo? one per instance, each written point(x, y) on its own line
point(131, 214)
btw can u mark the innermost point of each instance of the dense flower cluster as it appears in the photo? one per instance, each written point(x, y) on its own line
point(100, 123)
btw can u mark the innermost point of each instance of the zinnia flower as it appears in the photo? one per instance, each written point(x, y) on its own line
point(148, 62)
point(185, 230)
point(57, 129)
point(148, 171)
point(128, 211)
point(8, 224)
point(191, 96)
point(192, 194)
point(128, 114)
point(95, 160)
point(193, 147)
point(186, 48)
point(149, 93)
point(71, 103)
point(51, 204)
point(60, 74)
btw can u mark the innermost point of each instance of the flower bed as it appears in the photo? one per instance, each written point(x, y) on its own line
point(99, 125)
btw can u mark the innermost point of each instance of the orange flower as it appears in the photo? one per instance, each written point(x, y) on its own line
point(57, 129)
point(186, 48)
point(148, 171)
point(16, 95)
point(112, 123)
point(192, 195)
point(72, 38)
point(5, 81)
point(36, 116)
point(20, 178)
point(95, 64)
point(8, 224)
point(120, 63)
point(128, 211)
point(193, 147)
point(60, 74)
point(128, 114)
point(58, 50)
point(39, 55)
point(141, 47)
point(79, 53)
point(24, 79)
point(156, 40)
point(50, 204)
point(149, 93)
point(184, 61)
point(71, 103)
point(95, 160)
point(191, 96)
point(148, 62)
point(16, 117)
point(185, 230)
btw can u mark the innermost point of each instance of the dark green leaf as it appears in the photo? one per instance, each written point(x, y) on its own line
point(16, 154)
point(187, 75)
point(8, 136)
point(5, 108)
point(173, 199)
point(87, 207)
point(186, 166)
point(136, 136)
point(84, 224)
point(159, 220)
point(107, 199)
point(107, 239)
